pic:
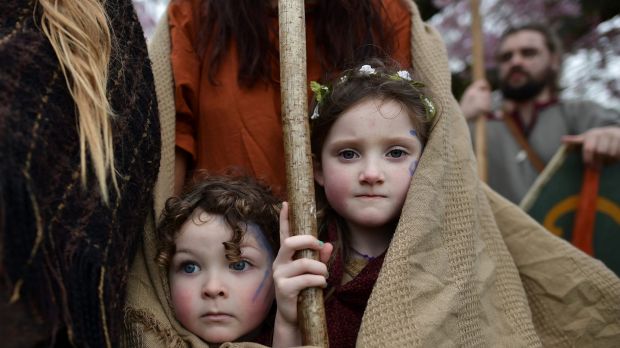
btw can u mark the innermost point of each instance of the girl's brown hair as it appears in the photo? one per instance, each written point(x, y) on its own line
point(240, 200)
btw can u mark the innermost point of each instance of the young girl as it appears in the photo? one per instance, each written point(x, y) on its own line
point(369, 128)
point(216, 243)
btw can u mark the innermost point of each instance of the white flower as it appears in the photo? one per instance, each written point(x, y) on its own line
point(404, 74)
point(315, 113)
point(429, 106)
point(344, 78)
point(367, 70)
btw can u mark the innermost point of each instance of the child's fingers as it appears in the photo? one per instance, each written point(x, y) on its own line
point(325, 252)
point(303, 241)
point(305, 266)
point(299, 267)
point(290, 287)
point(290, 245)
point(284, 226)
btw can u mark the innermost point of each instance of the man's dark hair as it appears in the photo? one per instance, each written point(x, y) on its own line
point(552, 42)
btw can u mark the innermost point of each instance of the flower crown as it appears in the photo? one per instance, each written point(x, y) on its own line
point(322, 91)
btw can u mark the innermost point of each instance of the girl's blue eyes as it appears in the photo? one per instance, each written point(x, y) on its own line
point(238, 266)
point(350, 154)
point(396, 153)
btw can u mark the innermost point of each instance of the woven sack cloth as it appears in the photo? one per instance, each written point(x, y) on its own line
point(466, 268)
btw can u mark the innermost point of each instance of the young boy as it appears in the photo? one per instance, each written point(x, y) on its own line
point(216, 243)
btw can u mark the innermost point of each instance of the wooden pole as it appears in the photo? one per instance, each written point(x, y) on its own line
point(300, 183)
point(478, 74)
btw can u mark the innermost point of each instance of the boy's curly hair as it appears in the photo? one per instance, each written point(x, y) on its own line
point(240, 200)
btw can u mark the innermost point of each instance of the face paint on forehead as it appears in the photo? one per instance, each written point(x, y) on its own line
point(261, 239)
point(264, 244)
point(413, 132)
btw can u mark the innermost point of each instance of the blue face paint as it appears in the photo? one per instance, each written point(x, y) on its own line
point(414, 164)
point(413, 167)
point(262, 241)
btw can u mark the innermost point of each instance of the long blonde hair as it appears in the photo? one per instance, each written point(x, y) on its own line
point(79, 33)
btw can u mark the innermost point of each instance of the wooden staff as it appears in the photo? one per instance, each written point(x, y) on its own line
point(478, 74)
point(299, 177)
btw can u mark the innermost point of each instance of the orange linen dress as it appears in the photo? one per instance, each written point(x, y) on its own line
point(225, 125)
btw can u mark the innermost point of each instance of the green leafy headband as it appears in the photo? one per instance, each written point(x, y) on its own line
point(321, 91)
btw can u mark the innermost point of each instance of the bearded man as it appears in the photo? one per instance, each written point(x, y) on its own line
point(528, 122)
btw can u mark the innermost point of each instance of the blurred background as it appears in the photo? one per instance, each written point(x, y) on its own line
point(588, 29)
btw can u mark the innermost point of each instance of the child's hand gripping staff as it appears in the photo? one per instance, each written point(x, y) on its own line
point(293, 275)
point(300, 182)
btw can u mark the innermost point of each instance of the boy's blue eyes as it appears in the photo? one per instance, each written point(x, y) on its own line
point(238, 266)
point(190, 268)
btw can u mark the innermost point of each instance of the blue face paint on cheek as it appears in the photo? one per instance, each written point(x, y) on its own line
point(413, 167)
point(262, 284)
point(414, 164)
point(260, 237)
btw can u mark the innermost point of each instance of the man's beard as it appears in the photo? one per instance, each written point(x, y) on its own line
point(530, 89)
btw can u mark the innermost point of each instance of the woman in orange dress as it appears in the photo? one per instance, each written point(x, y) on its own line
point(225, 64)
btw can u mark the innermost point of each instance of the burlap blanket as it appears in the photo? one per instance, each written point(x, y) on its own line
point(465, 268)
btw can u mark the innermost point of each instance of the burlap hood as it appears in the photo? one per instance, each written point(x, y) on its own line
point(465, 268)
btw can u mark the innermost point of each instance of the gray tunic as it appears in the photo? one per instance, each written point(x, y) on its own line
point(510, 173)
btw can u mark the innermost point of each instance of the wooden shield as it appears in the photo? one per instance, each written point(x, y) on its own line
point(579, 204)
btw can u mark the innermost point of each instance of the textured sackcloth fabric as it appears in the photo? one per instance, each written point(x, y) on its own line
point(465, 268)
